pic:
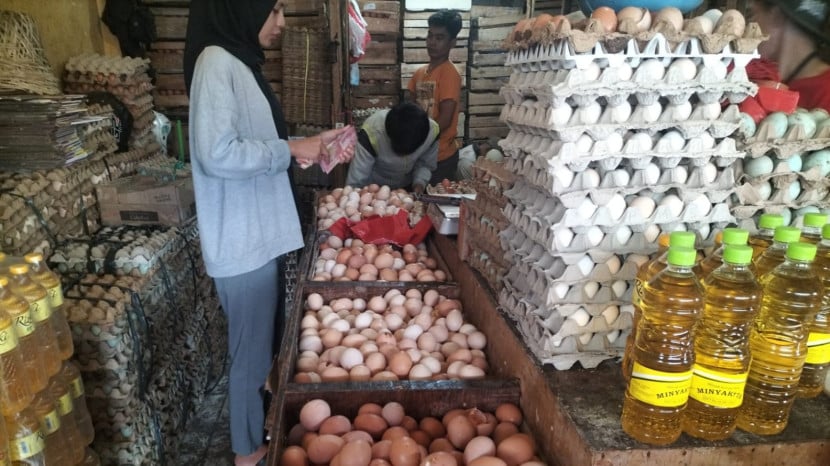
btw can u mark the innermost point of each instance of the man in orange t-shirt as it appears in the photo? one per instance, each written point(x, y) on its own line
point(436, 87)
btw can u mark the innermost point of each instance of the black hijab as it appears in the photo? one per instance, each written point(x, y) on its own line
point(233, 25)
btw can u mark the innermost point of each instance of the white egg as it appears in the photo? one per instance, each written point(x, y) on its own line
point(651, 174)
point(592, 71)
point(616, 206)
point(622, 234)
point(704, 230)
point(584, 144)
point(672, 142)
point(651, 233)
point(611, 313)
point(594, 235)
point(679, 174)
point(645, 205)
point(620, 113)
point(613, 335)
point(794, 190)
point(620, 177)
point(764, 190)
point(619, 287)
point(710, 111)
point(700, 204)
point(673, 204)
point(585, 265)
point(685, 68)
point(708, 173)
point(651, 113)
point(585, 338)
point(580, 317)
point(639, 142)
point(590, 179)
point(714, 15)
point(624, 72)
point(590, 289)
point(682, 111)
point(559, 116)
point(561, 290)
point(613, 263)
point(589, 114)
point(563, 238)
point(787, 214)
point(614, 142)
point(707, 142)
point(564, 177)
point(652, 69)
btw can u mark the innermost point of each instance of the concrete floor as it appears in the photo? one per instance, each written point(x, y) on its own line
point(208, 438)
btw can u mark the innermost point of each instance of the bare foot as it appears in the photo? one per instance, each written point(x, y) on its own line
point(253, 458)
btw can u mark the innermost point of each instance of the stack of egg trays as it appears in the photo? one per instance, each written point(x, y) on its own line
point(774, 178)
point(589, 134)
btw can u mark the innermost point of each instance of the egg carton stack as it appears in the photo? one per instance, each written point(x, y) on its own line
point(787, 166)
point(484, 219)
point(610, 148)
point(124, 77)
point(97, 137)
point(41, 208)
point(148, 332)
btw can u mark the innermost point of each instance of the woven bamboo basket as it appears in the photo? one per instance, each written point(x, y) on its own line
point(23, 66)
point(306, 76)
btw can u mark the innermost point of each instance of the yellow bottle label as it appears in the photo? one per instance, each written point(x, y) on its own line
point(76, 387)
point(65, 404)
point(8, 340)
point(55, 296)
point(718, 389)
point(51, 422)
point(818, 348)
point(663, 389)
point(24, 325)
point(26, 447)
point(40, 309)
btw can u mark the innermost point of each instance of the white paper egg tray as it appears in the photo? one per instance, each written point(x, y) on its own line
point(568, 124)
point(639, 149)
point(562, 54)
point(794, 141)
point(598, 183)
point(677, 84)
point(784, 169)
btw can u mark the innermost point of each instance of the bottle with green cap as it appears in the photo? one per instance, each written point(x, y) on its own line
point(762, 239)
point(729, 237)
point(731, 298)
point(778, 341)
point(663, 356)
point(648, 270)
point(818, 341)
point(775, 254)
point(812, 224)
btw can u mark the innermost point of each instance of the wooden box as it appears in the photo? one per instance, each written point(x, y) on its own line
point(141, 200)
point(171, 23)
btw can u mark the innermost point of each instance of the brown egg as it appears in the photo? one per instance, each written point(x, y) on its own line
point(356, 261)
point(395, 432)
point(440, 458)
point(351, 274)
point(357, 453)
point(432, 427)
point(393, 413)
point(410, 257)
point(478, 447)
point(487, 427)
point(384, 260)
point(389, 275)
point(516, 449)
point(313, 414)
point(522, 26)
point(607, 17)
point(633, 19)
point(380, 450)
point(409, 423)
point(404, 452)
point(421, 437)
point(487, 461)
point(295, 435)
point(355, 435)
point(460, 431)
point(385, 376)
point(449, 415)
point(343, 256)
point(360, 373)
point(508, 412)
point(400, 363)
point(441, 444)
point(371, 423)
point(504, 430)
point(370, 408)
point(294, 456)
point(379, 462)
point(671, 16)
point(731, 22)
point(335, 374)
point(323, 448)
point(335, 425)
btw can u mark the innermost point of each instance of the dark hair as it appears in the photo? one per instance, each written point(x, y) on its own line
point(449, 19)
point(407, 126)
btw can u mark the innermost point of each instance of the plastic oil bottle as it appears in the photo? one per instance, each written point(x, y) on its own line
point(776, 252)
point(41, 312)
point(731, 298)
point(25, 439)
point(56, 449)
point(90, 458)
point(812, 224)
point(663, 355)
point(60, 391)
point(729, 237)
point(5, 460)
point(34, 374)
point(71, 376)
point(644, 274)
point(41, 274)
point(762, 239)
point(778, 341)
point(15, 393)
point(818, 342)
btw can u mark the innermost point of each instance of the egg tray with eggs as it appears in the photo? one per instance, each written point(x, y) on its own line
point(447, 187)
point(680, 82)
point(418, 427)
point(600, 123)
point(812, 167)
point(341, 263)
point(784, 135)
point(357, 204)
point(397, 336)
point(792, 195)
point(491, 176)
point(575, 320)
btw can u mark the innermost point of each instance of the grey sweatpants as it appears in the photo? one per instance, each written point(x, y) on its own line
point(251, 304)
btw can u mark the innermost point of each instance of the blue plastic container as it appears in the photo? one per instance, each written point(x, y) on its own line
point(685, 6)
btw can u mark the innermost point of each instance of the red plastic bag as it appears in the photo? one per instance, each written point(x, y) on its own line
point(392, 229)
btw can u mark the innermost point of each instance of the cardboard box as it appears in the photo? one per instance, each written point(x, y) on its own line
point(141, 200)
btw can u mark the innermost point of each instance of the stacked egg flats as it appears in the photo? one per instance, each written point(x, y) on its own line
point(613, 143)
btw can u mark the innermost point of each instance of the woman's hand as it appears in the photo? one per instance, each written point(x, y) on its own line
point(306, 150)
point(330, 146)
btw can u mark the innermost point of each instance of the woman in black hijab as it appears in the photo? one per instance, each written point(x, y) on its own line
point(245, 208)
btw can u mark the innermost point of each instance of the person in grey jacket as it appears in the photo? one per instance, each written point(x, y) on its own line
point(396, 147)
point(245, 206)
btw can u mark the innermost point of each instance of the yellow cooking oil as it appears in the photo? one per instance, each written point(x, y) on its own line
point(90, 458)
point(71, 377)
point(25, 439)
point(814, 373)
point(56, 449)
point(41, 311)
point(40, 273)
point(663, 355)
point(644, 274)
point(15, 393)
point(778, 341)
point(776, 252)
point(731, 299)
point(33, 376)
point(812, 223)
point(729, 236)
point(762, 239)
point(60, 391)
point(5, 460)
